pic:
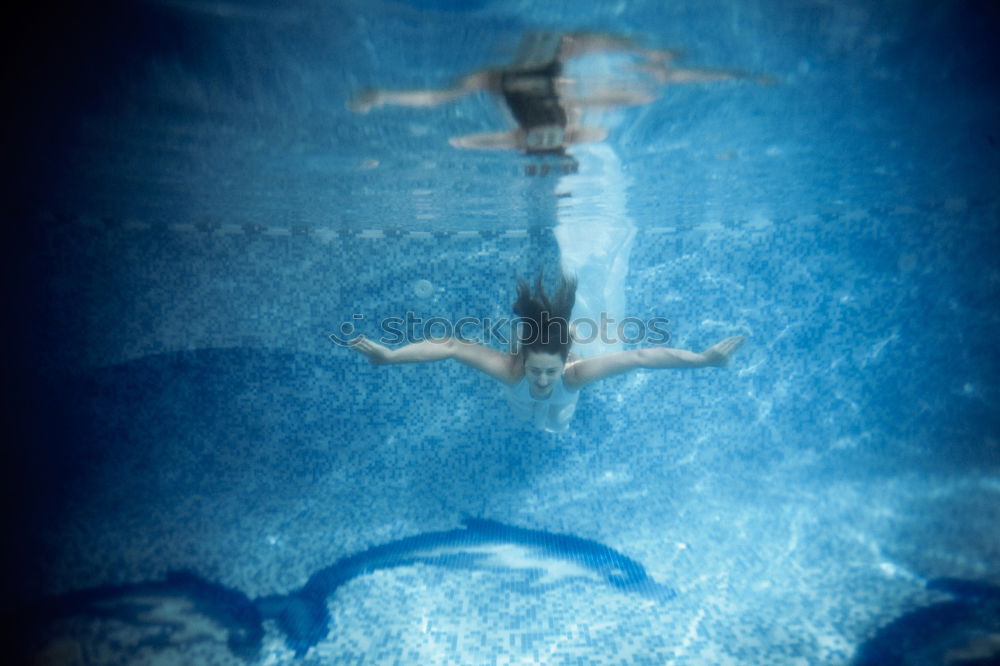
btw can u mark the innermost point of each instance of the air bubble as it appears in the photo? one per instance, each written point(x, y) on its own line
point(423, 288)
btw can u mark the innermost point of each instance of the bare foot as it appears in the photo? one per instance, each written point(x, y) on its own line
point(719, 353)
point(364, 101)
point(375, 352)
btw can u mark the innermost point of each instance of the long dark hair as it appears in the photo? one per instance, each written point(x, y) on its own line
point(544, 324)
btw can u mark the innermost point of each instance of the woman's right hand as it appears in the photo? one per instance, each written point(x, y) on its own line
point(375, 352)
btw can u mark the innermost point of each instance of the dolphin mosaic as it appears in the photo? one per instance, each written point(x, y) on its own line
point(179, 613)
point(186, 612)
point(964, 631)
point(542, 560)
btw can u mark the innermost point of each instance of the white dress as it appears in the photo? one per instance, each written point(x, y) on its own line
point(551, 414)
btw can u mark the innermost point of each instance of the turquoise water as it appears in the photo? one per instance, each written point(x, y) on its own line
point(196, 209)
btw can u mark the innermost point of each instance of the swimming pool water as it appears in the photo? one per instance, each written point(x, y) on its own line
point(196, 210)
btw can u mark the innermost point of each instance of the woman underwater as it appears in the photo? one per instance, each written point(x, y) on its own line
point(543, 379)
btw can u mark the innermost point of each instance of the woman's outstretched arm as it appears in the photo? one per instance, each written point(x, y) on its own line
point(496, 364)
point(589, 370)
point(370, 98)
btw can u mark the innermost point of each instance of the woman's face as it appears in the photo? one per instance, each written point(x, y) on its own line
point(543, 370)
